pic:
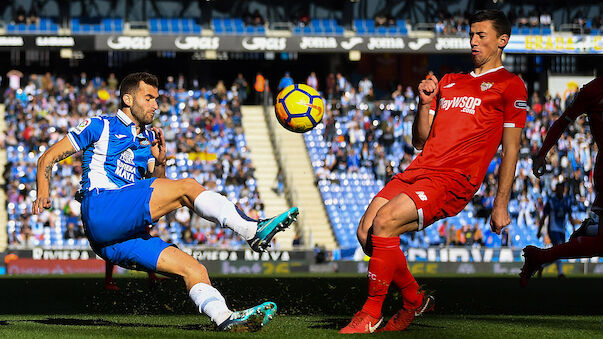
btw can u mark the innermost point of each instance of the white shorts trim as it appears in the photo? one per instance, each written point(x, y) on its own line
point(420, 221)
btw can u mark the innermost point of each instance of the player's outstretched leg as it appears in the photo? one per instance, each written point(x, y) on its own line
point(249, 320)
point(267, 228)
point(258, 233)
point(208, 299)
point(169, 195)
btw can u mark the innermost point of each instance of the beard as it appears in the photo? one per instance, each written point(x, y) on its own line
point(140, 115)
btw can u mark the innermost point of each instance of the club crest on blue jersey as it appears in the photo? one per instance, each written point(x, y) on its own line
point(142, 140)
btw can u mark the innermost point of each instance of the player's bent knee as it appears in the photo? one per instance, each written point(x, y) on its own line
point(383, 224)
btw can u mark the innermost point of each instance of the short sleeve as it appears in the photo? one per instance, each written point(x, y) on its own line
point(515, 99)
point(86, 133)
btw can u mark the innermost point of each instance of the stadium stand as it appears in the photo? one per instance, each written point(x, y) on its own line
point(43, 26)
point(235, 26)
point(174, 26)
point(97, 25)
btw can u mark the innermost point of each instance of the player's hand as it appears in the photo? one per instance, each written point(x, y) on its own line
point(428, 89)
point(538, 163)
point(499, 219)
point(40, 204)
point(158, 146)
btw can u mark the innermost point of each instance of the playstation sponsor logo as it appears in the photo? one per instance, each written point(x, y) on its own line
point(264, 44)
point(130, 42)
point(197, 43)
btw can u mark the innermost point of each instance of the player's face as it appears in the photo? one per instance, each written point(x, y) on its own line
point(145, 103)
point(485, 43)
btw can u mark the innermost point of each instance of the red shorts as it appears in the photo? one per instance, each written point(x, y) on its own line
point(436, 194)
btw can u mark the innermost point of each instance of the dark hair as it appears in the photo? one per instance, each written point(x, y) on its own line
point(501, 23)
point(130, 83)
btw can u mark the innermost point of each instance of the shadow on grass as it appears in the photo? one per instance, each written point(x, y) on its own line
point(4, 323)
point(102, 322)
point(550, 322)
point(339, 323)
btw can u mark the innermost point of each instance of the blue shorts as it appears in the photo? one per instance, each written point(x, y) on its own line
point(117, 224)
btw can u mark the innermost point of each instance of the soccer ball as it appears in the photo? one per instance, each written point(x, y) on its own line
point(299, 108)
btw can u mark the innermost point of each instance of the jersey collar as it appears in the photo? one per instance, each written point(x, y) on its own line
point(486, 72)
point(124, 118)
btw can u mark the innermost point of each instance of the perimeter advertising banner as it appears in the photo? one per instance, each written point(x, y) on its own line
point(557, 44)
point(571, 44)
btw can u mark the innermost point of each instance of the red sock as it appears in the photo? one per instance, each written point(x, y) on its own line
point(108, 272)
point(411, 294)
point(580, 247)
point(382, 266)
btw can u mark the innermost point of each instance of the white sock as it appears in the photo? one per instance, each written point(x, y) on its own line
point(210, 301)
point(215, 207)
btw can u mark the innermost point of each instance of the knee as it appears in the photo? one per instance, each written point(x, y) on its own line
point(195, 271)
point(383, 222)
point(189, 187)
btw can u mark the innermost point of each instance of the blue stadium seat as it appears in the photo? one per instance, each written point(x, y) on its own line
point(595, 32)
point(153, 26)
point(175, 25)
point(11, 28)
point(524, 31)
point(546, 31)
point(514, 30)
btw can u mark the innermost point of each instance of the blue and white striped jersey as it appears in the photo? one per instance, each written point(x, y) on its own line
point(113, 154)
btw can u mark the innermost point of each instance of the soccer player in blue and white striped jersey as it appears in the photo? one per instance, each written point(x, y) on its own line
point(124, 190)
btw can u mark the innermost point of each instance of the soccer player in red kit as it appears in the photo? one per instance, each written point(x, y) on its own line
point(588, 101)
point(460, 123)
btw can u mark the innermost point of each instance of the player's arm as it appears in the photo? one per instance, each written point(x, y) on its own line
point(573, 111)
point(157, 168)
point(59, 151)
point(511, 140)
point(428, 90)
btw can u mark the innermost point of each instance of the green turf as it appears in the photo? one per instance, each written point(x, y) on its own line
point(310, 306)
point(185, 326)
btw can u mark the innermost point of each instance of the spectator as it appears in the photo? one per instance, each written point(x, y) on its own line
point(312, 81)
point(286, 80)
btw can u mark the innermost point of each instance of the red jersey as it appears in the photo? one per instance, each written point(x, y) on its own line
point(589, 101)
point(470, 114)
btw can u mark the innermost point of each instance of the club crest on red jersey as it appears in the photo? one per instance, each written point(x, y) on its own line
point(486, 85)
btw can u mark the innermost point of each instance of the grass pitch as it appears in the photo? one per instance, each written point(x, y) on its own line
point(195, 326)
point(309, 307)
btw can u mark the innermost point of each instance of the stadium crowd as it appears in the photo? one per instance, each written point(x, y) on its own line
point(204, 140)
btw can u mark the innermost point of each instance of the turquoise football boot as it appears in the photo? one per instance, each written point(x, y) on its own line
point(249, 320)
point(267, 228)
